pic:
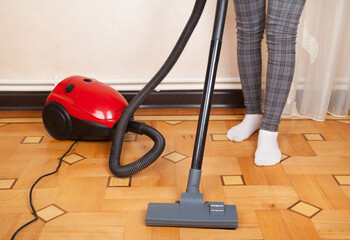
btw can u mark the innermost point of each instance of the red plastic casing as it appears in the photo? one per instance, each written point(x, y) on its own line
point(89, 100)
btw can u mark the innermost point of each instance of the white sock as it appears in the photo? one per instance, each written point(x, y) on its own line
point(267, 152)
point(245, 129)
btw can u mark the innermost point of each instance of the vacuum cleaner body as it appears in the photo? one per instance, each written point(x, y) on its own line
point(81, 108)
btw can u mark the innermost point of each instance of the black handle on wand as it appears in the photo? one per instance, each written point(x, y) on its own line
point(210, 77)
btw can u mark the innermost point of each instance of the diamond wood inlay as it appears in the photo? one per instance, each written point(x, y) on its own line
point(342, 179)
point(175, 157)
point(305, 209)
point(73, 158)
point(219, 137)
point(173, 122)
point(50, 213)
point(7, 183)
point(119, 182)
point(314, 137)
point(32, 140)
point(232, 180)
point(284, 157)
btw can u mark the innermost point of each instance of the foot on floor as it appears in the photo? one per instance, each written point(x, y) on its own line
point(245, 129)
point(267, 152)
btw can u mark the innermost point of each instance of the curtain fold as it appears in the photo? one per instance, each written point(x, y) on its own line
point(321, 83)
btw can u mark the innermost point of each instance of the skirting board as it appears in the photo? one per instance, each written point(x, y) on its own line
point(162, 99)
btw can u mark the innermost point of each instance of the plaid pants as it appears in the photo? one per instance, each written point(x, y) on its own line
point(281, 23)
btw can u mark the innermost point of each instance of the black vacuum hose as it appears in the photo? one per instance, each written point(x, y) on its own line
point(156, 151)
point(151, 155)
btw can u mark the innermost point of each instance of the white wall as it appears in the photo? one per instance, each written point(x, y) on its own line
point(43, 41)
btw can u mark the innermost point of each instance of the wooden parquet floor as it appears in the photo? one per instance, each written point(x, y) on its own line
point(306, 196)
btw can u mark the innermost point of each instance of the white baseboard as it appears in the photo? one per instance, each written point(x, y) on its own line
point(46, 85)
point(38, 85)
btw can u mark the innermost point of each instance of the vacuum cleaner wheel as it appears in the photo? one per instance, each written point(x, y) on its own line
point(57, 121)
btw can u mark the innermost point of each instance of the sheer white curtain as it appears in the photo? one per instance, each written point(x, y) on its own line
point(321, 83)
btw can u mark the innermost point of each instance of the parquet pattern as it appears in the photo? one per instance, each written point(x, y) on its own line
point(306, 196)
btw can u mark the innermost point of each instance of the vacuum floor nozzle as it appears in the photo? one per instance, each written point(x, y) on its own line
point(192, 213)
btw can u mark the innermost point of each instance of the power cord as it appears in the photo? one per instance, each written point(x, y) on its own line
point(31, 192)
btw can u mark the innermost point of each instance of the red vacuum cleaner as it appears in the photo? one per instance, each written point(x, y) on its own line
point(81, 108)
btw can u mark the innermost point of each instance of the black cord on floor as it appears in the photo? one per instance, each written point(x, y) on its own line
point(31, 192)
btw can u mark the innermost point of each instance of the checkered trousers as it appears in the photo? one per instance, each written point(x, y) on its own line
point(280, 23)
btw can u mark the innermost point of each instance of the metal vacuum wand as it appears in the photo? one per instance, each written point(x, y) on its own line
point(192, 211)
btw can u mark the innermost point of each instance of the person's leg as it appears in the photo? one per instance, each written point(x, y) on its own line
point(250, 22)
point(281, 30)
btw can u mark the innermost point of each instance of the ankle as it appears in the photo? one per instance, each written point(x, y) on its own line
point(268, 135)
point(252, 116)
point(252, 120)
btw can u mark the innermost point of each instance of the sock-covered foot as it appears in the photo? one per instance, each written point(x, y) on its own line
point(267, 152)
point(245, 129)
